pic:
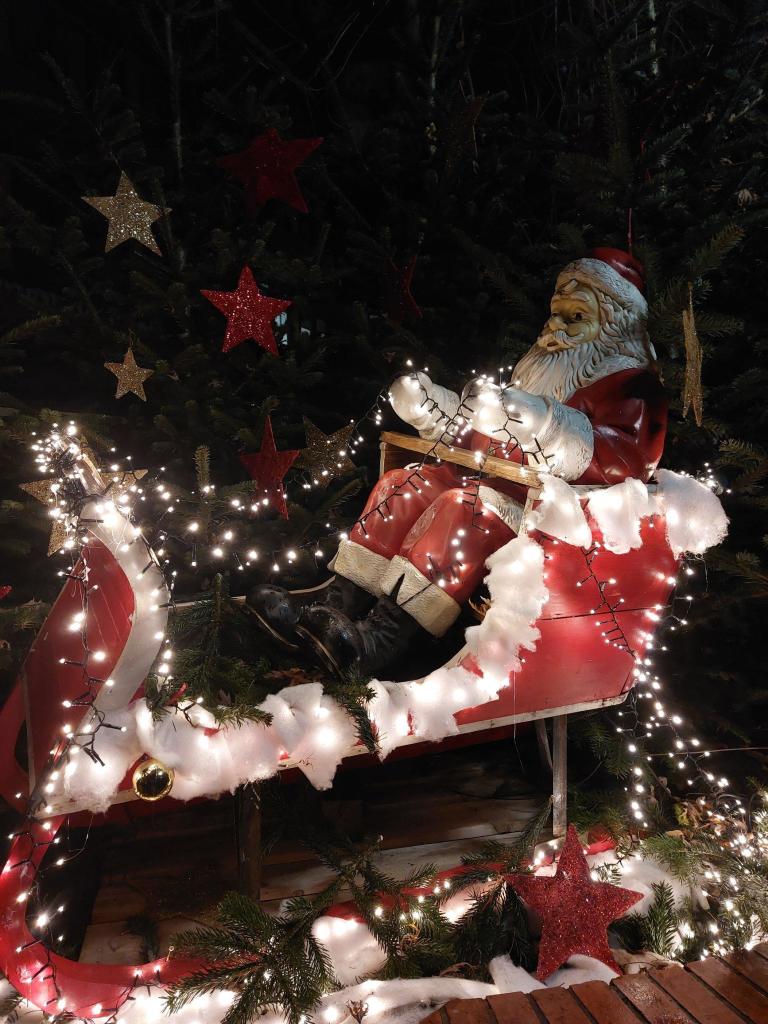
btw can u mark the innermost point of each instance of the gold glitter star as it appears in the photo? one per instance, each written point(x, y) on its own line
point(326, 455)
point(120, 483)
point(42, 491)
point(129, 216)
point(130, 376)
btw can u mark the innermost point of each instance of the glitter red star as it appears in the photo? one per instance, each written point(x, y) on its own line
point(400, 302)
point(268, 466)
point(575, 911)
point(266, 168)
point(249, 313)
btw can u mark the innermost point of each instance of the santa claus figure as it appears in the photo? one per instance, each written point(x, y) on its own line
point(584, 404)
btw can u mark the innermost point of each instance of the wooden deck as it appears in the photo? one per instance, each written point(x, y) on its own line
point(719, 990)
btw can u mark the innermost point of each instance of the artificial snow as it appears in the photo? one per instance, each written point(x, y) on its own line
point(405, 1000)
point(578, 969)
point(641, 873)
point(618, 511)
point(694, 516)
point(353, 950)
point(518, 593)
point(560, 514)
point(508, 977)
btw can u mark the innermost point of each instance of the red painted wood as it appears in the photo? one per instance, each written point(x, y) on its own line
point(43, 977)
point(47, 681)
point(437, 1017)
point(761, 950)
point(513, 1008)
point(733, 988)
point(751, 966)
point(593, 670)
point(603, 1003)
point(468, 1011)
point(653, 1004)
point(558, 1006)
point(694, 996)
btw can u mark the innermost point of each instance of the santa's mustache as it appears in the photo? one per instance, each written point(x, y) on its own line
point(550, 340)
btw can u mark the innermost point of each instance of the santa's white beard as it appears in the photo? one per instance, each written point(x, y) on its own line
point(559, 374)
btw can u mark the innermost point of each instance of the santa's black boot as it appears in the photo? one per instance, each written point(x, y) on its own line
point(277, 610)
point(367, 646)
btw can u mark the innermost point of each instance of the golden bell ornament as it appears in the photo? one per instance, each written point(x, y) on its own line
point(152, 780)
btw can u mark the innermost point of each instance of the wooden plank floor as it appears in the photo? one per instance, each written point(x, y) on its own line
point(718, 990)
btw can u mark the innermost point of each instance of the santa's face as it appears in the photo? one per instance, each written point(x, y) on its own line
point(574, 318)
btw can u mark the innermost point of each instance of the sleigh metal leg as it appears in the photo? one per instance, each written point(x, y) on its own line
point(559, 775)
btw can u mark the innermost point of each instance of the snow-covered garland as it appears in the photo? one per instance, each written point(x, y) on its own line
point(310, 730)
point(354, 952)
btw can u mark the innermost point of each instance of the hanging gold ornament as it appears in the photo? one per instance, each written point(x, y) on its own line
point(129, 216)
point(693, 397)
point(152, 780)
point(326, 455)
point(130, 376)
point(43, 491)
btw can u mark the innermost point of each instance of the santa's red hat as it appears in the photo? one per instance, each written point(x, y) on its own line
point(614, 272)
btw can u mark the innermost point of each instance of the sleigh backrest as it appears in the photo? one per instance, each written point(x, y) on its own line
point(93, 651)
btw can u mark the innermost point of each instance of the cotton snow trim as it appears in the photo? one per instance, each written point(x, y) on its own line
point(560, 514)
point(518, 593)
point(618, 511)
point(695, 518)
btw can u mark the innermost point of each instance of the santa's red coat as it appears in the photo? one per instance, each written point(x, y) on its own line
point(436, 519)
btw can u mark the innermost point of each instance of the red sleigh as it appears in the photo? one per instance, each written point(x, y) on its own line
point(586, 657)
point(583, 660)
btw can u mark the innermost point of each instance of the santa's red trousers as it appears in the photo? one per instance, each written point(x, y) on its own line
point(434, 520)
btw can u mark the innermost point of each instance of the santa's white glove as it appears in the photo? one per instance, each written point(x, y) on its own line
point(427, 406)
point(504, 413)
point(528, 414)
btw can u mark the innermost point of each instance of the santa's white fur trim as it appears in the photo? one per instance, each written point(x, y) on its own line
point(601, 275)
point(432, 608)
point(567, 441)
point(360, 566)
point(506, 508)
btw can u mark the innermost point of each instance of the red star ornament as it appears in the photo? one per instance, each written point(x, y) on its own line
point(249, 313)
point(400, 302)
point(575, 911)
point(266, 169)
point(268, 466)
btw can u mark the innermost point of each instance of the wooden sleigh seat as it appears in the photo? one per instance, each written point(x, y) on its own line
point(582, 660)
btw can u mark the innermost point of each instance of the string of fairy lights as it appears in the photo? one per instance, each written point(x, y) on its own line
point(77, 486)
point(62, 451)
point(124, 496)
